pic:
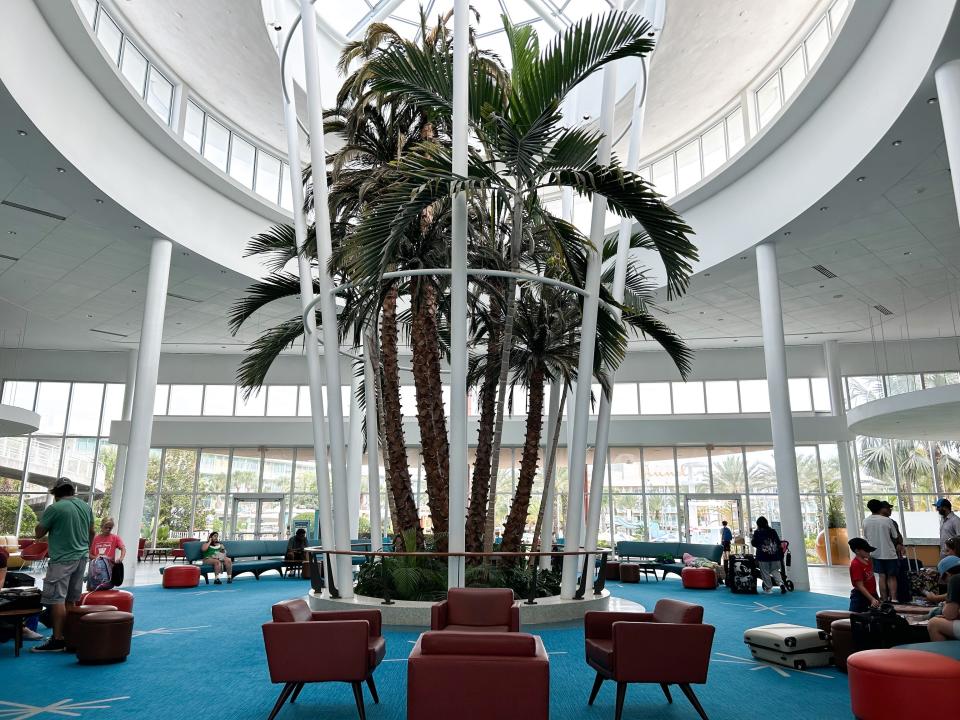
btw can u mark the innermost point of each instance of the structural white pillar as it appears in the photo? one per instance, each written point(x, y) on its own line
point(550, 462)
point(588, 332)
point(851, 508)
point(373, 444)
point(116, 496)
point(141, 416)
point(328, 308)
point(781, 418)
point(947, 78)
point(354, 457)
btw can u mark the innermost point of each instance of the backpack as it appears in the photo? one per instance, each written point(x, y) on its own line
point(99, 575)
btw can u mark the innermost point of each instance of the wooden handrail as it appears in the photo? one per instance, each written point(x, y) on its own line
point(318, 549)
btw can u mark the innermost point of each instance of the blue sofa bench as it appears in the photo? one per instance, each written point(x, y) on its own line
point(249, 556)
point(648, 552)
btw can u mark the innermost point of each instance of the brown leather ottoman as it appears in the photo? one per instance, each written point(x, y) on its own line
point(825, 618)
point(613, 570)
point(74, 613)
point(629, 573)
point(104, 637)
point(841, 636)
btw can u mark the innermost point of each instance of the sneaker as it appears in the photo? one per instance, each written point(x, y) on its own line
point(783, 589)
point(229, 581)
point(216, 581)
point(50, 646)
point(29, 634)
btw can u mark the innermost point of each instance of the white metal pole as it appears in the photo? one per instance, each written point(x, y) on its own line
point(588, 332)
point(373, 442)
point(458, 300)
point(831, 355)
point(116, 495)
point(619, 281)
point(947, 78)
point(141, 415)
point(354, 458)
point(553, 420)
point(328, 308)
point(781, 418)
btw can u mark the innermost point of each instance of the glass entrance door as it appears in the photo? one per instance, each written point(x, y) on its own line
point(704, 514)
point(258, 517)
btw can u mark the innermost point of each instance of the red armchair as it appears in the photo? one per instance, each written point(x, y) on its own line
point(178, 552)
point(306, 647)
point(141, 545)
point(476, 610)
point(477, 676)
point(36, 554)
point(669, 646)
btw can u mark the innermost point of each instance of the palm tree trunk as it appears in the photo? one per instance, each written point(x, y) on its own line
point(430, 411)
point(480, 485)
point(373, 347)
point(517, 519)
point(505, 349)
point(549, 473)
point(406, 519)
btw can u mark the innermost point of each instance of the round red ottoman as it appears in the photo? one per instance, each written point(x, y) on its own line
point(181, 576)
point(900, 683)
point(120, 599)
point(104, 637)
point(699, 578)
point(74, 613)
point(629, 573)
point(613, 570)
point(825, 618)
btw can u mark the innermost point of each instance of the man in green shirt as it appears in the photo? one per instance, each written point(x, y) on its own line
point(69, 524)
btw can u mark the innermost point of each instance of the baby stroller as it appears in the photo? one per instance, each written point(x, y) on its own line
point(784, 564)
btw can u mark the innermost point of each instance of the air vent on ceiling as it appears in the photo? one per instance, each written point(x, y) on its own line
point(824, 271)
point(182, 297)
point(107, 332)
point(8, 257)
point(35, 211)
point(883, 310)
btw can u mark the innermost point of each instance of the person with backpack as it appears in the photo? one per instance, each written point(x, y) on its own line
point(103, 557)
point(726, 537)
point(769, 554)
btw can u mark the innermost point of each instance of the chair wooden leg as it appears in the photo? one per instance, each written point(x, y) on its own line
point(373, 689)
point(688, 691)
point(621, 694)
point(296, 692)
point(284, 694)
point(596, 688)
point(666, 691)
point(358, 696)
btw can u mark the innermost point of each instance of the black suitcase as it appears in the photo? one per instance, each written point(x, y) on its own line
point(742, 572)
point(879, 629)
point(21, 598)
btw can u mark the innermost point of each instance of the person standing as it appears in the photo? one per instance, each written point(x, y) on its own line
point(864, 593)
point(769, 554)
point(726, 537)
point(949, 523)
point(880, 532)
point(104, 546)
point(69, 524)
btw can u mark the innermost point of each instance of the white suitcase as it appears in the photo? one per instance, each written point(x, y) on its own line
point(790, 645)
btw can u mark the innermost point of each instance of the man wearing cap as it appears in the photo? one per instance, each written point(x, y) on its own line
point(69, 524)
point(880, 532)
point(947, 626)
point(949, 523)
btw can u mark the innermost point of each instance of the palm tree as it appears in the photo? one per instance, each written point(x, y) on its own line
point(522, 150)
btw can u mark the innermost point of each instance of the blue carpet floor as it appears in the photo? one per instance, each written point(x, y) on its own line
point(198, 654)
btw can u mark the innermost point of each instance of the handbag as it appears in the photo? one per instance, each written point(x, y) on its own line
point(116, 577)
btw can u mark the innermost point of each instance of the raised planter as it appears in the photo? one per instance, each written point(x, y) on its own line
point(837, 539)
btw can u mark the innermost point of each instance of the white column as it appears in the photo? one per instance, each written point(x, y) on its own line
point(947, 78)
point(354, 458)
point(831, 355)
point(781, 418)
point(588, 332)
point(116, 496)
point(553, 422)
point(328, 308)
point(373, 444)
point(141, 416)
point(457, 496)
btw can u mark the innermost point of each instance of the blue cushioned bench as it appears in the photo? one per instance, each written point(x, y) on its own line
point(648, 551)
point(249, 556)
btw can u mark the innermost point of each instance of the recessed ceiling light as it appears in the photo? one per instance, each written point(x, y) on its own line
point(735, 340)
point(179, 323)
point(22, 133)
point(822, 287)
point(931, 101)
point(706, 274)
point(906, 252)
point(61, 170)
point(98, 201)
point(837, 297)
point(786, 234)
point(133, 291)
point(701, 312)
point(743, 257)
point(861, 178)
point(223, 347)
point(824, 208)
point(719, 319)
point(897, 143)
point(11, 232)
point(89, 315)
point(185, 254)
point(806, 337)
point(136, 227)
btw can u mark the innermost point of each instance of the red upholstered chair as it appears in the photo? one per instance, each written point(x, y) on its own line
point(178, 553)
point(901, 683)
point(669, 646)
point(477, 676)
point(140, 548)
point(477, 610)
point(307, 647)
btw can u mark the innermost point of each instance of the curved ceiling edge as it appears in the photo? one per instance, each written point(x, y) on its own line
point(928, 414)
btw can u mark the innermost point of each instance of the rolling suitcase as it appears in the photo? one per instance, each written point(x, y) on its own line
point(742, 571)
point(792, 646)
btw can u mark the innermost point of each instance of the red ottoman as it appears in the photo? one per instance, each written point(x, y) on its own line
point(613, 570)
point(74, 613)
point(900, 683)
point(826, 618)
point(104, 637)
point(181, 576)
point(120, 599)
point(699, 578)
point(629, 573)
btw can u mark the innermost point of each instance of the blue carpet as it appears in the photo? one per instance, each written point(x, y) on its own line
point(191, 642)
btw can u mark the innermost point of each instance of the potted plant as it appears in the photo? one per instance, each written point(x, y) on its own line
point(835, 534)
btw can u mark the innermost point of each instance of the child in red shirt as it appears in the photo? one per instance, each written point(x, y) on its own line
point(864, 593)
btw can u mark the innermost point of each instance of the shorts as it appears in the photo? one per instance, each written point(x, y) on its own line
point(726, 545)
point(63, 582)
point(886, 567)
